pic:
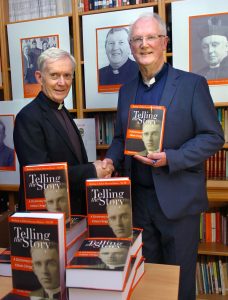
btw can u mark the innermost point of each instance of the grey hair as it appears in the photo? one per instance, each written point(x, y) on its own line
point(116, 29)
point(150, 15)
point(54, 54)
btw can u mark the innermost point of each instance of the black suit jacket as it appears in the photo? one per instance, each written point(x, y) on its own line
point(40, 138)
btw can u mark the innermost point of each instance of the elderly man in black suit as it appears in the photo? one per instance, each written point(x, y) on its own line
point(45, 132)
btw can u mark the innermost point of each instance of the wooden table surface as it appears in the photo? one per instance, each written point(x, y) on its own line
point(159, 282)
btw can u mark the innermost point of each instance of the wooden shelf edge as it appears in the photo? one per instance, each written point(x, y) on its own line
point(217, 249)
point(110, 9)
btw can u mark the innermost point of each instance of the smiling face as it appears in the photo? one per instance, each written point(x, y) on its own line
point(214, 48)
point(149, 53)
point(56, 78)
point(117, 48)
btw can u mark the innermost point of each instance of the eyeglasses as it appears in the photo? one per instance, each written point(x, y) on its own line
point(57, 77)
point(138, 40)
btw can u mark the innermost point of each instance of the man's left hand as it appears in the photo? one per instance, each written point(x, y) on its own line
point(154, 159)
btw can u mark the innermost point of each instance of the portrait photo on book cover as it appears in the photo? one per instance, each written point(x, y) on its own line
point(208, 47)
point(7, 152)
point(31, 48)
point(115, 63)
point(145, 130)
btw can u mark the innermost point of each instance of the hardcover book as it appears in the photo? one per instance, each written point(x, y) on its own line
point(78, 224)
point(5, 266)
point(47, 188)
point(100, 264)
point(145, 129)
point(37, 242)
point(98, 294)
point(109, 208)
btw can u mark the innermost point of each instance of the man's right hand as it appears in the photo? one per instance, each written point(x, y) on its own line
point(104, 168)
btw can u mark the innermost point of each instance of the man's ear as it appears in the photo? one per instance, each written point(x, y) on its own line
point(38, 77)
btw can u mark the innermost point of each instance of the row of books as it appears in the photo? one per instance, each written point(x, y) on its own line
point(87, 5)
point(216, 166)
point(31, 9)
point(222, 113)
point(104, 128)
point(212, 275)
point(214, 227)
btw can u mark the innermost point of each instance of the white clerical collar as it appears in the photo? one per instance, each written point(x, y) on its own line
point(149, 82)
point(51, 293)
point(60, 106)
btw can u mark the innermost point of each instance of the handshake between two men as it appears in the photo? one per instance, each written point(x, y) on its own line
point(104, 168)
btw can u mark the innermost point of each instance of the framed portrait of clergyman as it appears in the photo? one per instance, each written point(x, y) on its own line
point(208, 47)
point(107, 55)
point(115, 63)
point(7, 152)
point(31, 48)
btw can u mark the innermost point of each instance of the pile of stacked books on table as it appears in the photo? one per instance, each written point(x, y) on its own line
point(56, 255)
point(109, 262)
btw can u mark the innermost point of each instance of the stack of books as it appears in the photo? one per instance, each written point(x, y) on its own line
point(109, 262)
point(48, 223)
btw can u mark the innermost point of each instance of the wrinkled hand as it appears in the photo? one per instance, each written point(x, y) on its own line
point(154, 159)
point(104, 168)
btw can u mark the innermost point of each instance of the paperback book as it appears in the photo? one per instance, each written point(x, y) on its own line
point(100, 264)
point(37, 242)
point(5, 266)
point(47, 188)
point(109, 207)
point(145, 129)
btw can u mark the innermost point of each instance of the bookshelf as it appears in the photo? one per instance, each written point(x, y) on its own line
point(217, 189)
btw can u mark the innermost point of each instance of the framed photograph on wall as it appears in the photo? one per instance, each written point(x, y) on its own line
point(9, 110)
point(54, 31)
point(31, 48)
point(7, 152)
point(101, 32)
point(187, 52)
point(208, 48)
point(115, 63)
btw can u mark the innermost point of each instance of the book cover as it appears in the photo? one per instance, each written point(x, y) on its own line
point(100, 264)
point(13, 296)
point(74, 245)
point(5, 265)
point(37, 242)
point(145, 129)
point(47, 188)
point(109, 207)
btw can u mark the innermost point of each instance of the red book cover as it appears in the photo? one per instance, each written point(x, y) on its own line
point(109, 208)
point(218, 227)
point(37, 242)
point(208, 227)
point(47, 188)
point(145, 129)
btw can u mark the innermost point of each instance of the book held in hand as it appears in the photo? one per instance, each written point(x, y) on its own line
point(47, 188)
point(145, 129)
point(100, 264)
point(109, 207)
point(37, 242)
